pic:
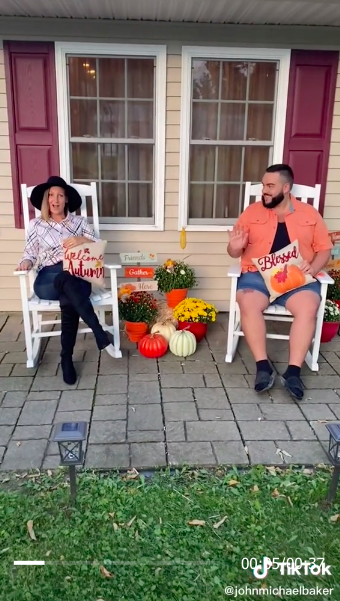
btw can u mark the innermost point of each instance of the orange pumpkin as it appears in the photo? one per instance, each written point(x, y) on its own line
point(288, 278)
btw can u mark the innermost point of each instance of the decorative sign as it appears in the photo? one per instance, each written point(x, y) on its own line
point(132, 258)
point(139, 272)
point(142, 286)
point(86, 261)
point(334, 261)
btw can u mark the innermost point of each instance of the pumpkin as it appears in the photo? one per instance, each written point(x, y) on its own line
point(288, 278)
point(183, 343)
point(153, 346)
point(165, 328)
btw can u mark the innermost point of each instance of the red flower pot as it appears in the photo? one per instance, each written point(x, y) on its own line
point(135, 330)
point(337, 302)
point(329, 330)
point(176, 296)
point(198, 329)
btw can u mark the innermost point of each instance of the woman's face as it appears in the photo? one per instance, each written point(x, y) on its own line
point(56, 201)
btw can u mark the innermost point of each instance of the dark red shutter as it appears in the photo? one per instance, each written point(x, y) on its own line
point(32, 113)
point(312, 83)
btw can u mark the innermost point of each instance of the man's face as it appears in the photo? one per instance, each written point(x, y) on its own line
point(274, 190)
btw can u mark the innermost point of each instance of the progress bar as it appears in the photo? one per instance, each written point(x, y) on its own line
point(29, 563)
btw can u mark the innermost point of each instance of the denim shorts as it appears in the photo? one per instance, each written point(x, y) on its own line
point(253, 280)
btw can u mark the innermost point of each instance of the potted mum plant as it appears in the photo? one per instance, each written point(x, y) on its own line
point(331, 321)
point(333, 290)
point(194, 314)
point(138, 310)
point(174, 278)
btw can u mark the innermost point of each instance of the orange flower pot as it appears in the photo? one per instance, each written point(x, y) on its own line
point(176, 296)
point(135, 330)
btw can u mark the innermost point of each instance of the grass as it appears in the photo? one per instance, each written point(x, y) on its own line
point(130, 539)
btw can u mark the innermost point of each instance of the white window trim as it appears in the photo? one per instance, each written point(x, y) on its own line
point(190, 52)
point(160, 53)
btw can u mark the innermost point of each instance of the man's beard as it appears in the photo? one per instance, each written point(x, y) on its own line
point(275, 201)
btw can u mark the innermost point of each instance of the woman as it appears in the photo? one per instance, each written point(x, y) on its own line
point(47, 236)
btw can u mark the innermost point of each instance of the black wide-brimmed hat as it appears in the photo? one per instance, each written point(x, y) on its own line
point(73, 197)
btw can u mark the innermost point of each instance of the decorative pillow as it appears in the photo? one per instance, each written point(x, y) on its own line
point(86, 261)
point(281, 272)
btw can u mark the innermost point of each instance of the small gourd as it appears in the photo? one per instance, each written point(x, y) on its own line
point(165, 328)
point(183, 238)
point(183, 343)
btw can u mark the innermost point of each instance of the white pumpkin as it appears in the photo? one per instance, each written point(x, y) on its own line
point(166, 329)
point(183, 343)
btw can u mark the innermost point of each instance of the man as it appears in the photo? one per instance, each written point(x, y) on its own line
point(267, 227)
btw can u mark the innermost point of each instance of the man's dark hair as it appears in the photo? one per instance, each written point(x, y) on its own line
point(285, 172)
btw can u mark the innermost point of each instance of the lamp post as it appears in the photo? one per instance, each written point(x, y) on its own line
point(334, 456)
point(70, 437)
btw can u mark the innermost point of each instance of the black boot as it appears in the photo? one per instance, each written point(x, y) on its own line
point(77, 293)
point(69, 329)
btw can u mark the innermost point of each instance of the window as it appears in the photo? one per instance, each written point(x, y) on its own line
point(115, 103)
point(233, 129)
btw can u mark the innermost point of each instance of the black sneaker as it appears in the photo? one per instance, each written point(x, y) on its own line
point(294, 386)
point(264, 381)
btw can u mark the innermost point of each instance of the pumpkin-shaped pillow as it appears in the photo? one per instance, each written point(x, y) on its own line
point(86, 261)
point(281, 271)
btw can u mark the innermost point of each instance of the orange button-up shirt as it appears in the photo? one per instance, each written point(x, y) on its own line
point(304, 223)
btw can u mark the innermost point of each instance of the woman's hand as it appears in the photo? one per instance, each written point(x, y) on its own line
point(75, 241)
point(25, 265)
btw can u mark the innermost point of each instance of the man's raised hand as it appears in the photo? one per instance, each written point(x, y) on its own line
point(238, 238)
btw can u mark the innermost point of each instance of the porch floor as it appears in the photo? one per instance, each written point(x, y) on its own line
point(145, 413)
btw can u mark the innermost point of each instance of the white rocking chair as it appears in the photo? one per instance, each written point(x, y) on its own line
point(33, 308)
point(276, 312)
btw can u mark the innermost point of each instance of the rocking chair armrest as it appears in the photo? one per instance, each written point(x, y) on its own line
point(25, 272)
point(234, 271)
point(112, 266)
point(324, 278)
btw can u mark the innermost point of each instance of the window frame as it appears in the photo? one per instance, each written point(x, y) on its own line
point(159, 52)
point(282, 56)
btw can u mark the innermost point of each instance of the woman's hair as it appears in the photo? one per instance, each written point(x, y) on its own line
point(45, 208)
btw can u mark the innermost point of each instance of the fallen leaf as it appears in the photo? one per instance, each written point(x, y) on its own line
point(48, 553)
point(30, 530)
point(133, 409)
point(307, 472)
point(322, 421)
point(233, 482)
point(5, 480)
point(259, 419)
point(271, 470)
point(100, 599)
point(4, 550)
point(132, 474)
point(218, 524)
point(115, 526)
point(196, 523)
point(68, 578)
point(276, 493)
point(61, 558)
point(18, 443)
point(49, 472)
point(105, 572)
point(157, 571)
point(255, 488)
point(137, 535)
point(335, 518)
point(160, 520)
point(246, 449)
point(290, 501)
point(285, 453)
point(131, 522)
point(112, 514)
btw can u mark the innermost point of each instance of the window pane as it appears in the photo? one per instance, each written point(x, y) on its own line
point(204, 121)
point(229, 163)
point(113, 200)
point(113, 161)
point(140, 119)
point(140, 200)
point(262, 81)
point(227, 201)
point(234, 81)
point(82, 76)
point(83, 117)
point(205, 79)
point(112, 77)
point(201, 201)
point(202, 163)
point(140, 78)
point(256, 161)
point(140, 162)
point(232, 121)
point(112, 118)
point(260, 122)
point(84, 161)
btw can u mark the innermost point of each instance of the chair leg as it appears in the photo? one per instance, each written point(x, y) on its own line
point(313, 355)
point(115, 314)
point(233, 321)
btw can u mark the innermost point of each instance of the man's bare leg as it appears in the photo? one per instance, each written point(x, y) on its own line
point(304, 307)
point(252, 304)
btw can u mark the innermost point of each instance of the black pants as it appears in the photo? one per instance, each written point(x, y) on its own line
point(52, 283)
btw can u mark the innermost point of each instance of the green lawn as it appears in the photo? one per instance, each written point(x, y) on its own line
point(130, 539)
